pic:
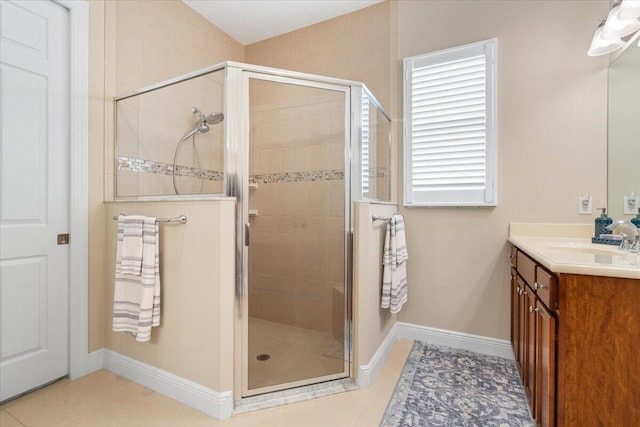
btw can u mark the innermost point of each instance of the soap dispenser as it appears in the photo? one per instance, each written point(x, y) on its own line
point(602, 222)
point(636, 221)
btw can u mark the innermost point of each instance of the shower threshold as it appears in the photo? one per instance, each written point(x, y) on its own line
point(298, 394)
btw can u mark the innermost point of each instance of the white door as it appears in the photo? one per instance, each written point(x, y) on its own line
point(34, 83)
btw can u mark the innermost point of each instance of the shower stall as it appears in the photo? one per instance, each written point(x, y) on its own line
point(295, 150)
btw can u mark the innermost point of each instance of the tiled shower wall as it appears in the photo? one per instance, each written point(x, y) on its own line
point(296, 258)
point(148, 129)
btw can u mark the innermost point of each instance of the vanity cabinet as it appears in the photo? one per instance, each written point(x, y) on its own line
point(533, 326)
point(515, 308)
point(576, 340)
point(545, 355)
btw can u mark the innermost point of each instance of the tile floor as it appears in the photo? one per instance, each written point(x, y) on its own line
point(295, 353)
point(105, 399)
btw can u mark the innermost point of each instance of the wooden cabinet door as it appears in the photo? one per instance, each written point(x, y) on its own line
point(545, 366)
point(521, 357)
point(530, 315)
point(514, 313)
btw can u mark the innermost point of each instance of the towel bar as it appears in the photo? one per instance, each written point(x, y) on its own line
point(380, 218)
point(182, 219)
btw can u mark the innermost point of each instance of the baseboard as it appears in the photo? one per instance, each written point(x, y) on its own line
point(213, 403)
point(220, 404)
point(480, 344)
point(367, 373)
point(477, 343)
point(95, 360)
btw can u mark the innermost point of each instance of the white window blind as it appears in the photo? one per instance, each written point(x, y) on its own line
point(365, 144)
point(450, 127)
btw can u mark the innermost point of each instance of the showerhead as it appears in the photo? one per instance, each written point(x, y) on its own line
point(211, 119)
point(214, 118)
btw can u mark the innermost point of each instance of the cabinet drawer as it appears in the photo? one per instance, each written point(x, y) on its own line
point(546, 287)
point(513, 256)
point(527, 268)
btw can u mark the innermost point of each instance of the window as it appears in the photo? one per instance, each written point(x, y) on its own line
point(365, 143)
point(450, 140)
point(375, 149)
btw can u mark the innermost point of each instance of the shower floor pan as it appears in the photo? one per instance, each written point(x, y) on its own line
point(280, 353)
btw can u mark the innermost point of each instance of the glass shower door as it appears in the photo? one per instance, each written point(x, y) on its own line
point(298, 218)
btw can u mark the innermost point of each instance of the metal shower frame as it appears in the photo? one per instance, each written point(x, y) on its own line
point(236, 184)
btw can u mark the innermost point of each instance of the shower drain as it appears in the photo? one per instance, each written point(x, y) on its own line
point(263, 357)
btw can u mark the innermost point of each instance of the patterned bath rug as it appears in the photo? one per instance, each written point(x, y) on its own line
point(447, 387)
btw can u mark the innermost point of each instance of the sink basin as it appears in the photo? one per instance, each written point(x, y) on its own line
point(585, 248)
point(577, 255)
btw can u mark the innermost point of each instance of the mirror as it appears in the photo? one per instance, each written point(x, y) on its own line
point(623, 163)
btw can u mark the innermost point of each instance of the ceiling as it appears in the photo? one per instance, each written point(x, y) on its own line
point(250, 21)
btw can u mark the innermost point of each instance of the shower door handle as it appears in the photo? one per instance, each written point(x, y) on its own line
point(247, 233)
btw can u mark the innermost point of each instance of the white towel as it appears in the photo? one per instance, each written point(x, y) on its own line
point(394, 280)
point(131, 260)
point(136, 299)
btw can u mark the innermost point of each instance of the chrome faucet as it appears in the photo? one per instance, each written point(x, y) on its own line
point(635, 246)
point(629, 233)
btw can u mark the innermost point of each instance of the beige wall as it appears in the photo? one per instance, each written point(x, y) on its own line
point(197, 271)
point(355, 46)
point(372, 323)
point(158, 40)
point(552, 146)
point(96, 175)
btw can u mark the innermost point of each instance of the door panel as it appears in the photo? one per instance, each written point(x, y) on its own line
point(531, 348)
point(298, 226)
point(515, 315)
point(23, 299)
point(545, 366)
point(34, 74)
point(25, 93)
point(523, 329)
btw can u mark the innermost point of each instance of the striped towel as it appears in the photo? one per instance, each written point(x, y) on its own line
point(131, 260)
point(136, 299)
point(394, 276)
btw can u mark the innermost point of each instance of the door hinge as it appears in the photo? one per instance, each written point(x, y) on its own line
point(63, 239)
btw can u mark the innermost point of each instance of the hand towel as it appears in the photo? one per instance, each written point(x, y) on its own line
point(136, 302)
point(394, 274)
point(131, 260)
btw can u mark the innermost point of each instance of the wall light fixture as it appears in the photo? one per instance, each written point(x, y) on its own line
point(623, 20)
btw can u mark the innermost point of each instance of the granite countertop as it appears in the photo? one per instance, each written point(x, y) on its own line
point(568, 249)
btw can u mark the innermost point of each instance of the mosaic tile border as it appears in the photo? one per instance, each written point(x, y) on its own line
point(308, 176)
point(161, 168)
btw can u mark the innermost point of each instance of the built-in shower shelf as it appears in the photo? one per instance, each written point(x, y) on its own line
point(253, 186)
point(253, 212)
